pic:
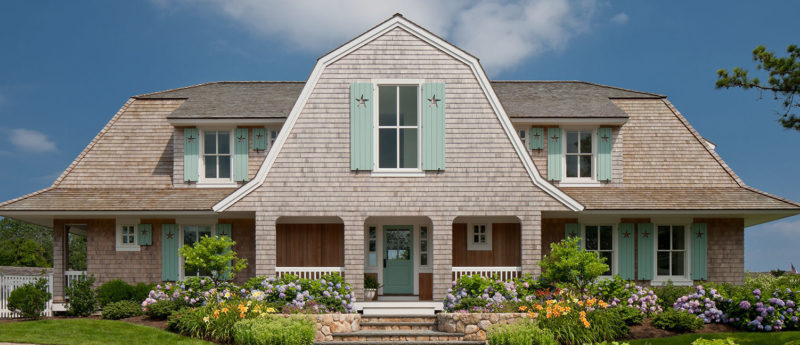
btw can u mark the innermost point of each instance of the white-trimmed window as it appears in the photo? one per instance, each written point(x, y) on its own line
point(191, 234)
point(599, 239)
point(479, 236)
point(579, 155)
point(423, 246)
point(216, 161)
point(398, 135)
point(523, 135)
point(372, 245)
point(127, 239)
point(672, 258)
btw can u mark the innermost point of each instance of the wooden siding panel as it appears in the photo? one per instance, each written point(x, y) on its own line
point(505, 247)
point(425, 286)
point(310, 245)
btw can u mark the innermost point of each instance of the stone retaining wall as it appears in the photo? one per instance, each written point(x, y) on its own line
point(474, 325)
point(327, 324)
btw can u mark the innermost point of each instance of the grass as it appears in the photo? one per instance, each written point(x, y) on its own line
point(741, 338)
point(90, 332)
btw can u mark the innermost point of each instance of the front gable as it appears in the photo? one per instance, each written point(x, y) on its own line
point(487, 167)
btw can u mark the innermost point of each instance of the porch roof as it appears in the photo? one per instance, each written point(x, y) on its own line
point(118, 199)
point(736, 198)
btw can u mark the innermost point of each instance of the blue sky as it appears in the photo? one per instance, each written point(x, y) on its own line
point(67, 67)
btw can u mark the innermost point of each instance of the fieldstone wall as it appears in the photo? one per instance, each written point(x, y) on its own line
point(327, 324)
point(474, 325)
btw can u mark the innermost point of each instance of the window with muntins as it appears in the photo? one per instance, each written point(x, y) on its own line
point(192, 234)
point(423, 246)
point(126, 237)
point(217, 158)
point(579, 156)
point(600, 240)
point(398, 127)
point(479, 237)
point(671, 251)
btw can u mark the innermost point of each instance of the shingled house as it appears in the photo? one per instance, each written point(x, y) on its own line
point(399, 158)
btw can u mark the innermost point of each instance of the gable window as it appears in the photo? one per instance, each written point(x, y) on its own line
point(522, 136)
point(600, 240)
point(579, 155)
point(398, 127)
point(479, 237)
point(671, 251)
point(216, 156)
point(192, 234)
point(126, 237)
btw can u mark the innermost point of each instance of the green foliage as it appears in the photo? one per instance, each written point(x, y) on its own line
point(161, 310)
point(616, 287)
point(568, 329)
point(141, 291)
point(607, 324)
point(188, 321)
point(568, 264)
point(630, 315)
point(121, 310)
point(669, 293)
point(370, 282)
point(23, 244)
point(77, 252)
point(726, 341)
point(524, 332)
point(213, 255)
point(274, 331)
point(29, 299)
point(674, 320)
point(82, 299)
point(114, 291)
point(783, 80)
point(81, 331)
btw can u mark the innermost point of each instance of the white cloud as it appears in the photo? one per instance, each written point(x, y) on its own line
point(31, 141)
point(620, 18)
point(501, 33)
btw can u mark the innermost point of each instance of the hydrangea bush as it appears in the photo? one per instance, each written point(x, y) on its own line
point(707, 304)
point(767, 312)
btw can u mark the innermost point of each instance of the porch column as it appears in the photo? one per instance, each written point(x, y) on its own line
point(354, 254)
point(531, 242)
point(59, 260)
point(442, 256)
point(266, 252)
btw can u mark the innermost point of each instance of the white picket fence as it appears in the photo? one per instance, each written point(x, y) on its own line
point(9, 283)
point(308, 272)
point(502, 272)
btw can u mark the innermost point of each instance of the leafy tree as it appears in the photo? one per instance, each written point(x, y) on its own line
point(77, 252)
point(569, 264)
point(213, 256)
point(23, 244)
point(783, 81)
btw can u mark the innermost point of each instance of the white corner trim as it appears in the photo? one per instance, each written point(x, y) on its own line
point(392, 23)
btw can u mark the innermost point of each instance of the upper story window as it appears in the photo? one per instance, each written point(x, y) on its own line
point(671, 251)
point(579, 154)
point(600, 240)
point(398, 127)
point(216, 156)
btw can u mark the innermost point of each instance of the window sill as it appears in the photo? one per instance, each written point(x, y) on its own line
point(413, 173)
point(128, 248)
point(217, 185)
point(677, 281)
point(581, 183)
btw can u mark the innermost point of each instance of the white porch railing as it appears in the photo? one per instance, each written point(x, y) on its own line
point(502, 272)
point(308, 272)
point(9, 283)
point(71, 276)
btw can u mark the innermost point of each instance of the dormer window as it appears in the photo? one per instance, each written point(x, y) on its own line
point(579, 156)
point(216, 155)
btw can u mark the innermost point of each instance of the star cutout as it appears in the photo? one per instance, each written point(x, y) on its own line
point(573, 234)
point(144, 232)
point(362, 101)
point(555, 138)
point(169, 235)
point(259, 136)
point(626, 234)
point(190, 139)
point(699, 234)
point(240, 138)
point(605, 138)
point(536, 136)
point(434, 101)
point(645, 234)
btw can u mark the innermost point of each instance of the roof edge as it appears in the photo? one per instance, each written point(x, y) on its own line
point(149, 94)
point(653, 95)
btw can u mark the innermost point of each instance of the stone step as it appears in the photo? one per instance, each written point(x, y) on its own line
point(390, 342)
point(397, 318)
point(398, 325)
point(398, 336)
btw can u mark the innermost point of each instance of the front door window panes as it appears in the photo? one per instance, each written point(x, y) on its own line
point(398, 244)
point(217, 154)
point(600, 240)
point(579, 154)
point(398, 127)
point(671, 250)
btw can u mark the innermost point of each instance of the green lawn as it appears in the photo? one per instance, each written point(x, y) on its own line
point(89, 331)
point(742, 338)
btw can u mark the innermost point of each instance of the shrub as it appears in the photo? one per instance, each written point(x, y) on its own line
point(669, 293)
point(679, 321)
point(213, 255)
point(704, 304)
point(569, 329)
point(29, 299)
point(141, 291)
point(766, 303)
point(701, 341)
point(370, 282)
point(188, 321)
point(82, 299)
point(114, 291)
point(568, 264)
point(328, 294)
point(161, 310)
point(524, 332)
point(277, 330)
point(630, 315)
point(479, 294)
point(121, 310)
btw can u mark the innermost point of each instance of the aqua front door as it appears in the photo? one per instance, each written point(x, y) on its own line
point(398, 260)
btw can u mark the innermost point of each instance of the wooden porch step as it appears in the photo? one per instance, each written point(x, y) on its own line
point(410, 336)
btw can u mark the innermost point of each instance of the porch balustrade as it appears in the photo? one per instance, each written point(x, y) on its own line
point(502, 272)
point(308, 272)
point(71, 276)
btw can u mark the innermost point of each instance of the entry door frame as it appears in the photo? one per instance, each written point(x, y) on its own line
point(412, 259)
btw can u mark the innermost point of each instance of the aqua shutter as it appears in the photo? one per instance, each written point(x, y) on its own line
point(145, 236)
point(646, 251)
point(224, 230)
point(573, 230)
point(169, 252)
point(240, 144)
point(433, 126)
point(699, 242)
point(604, 141)
point(191, 152)
point(626, 241)
point(361, 126)
point(536, 138)
point(260, 139)
point(554, 154)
